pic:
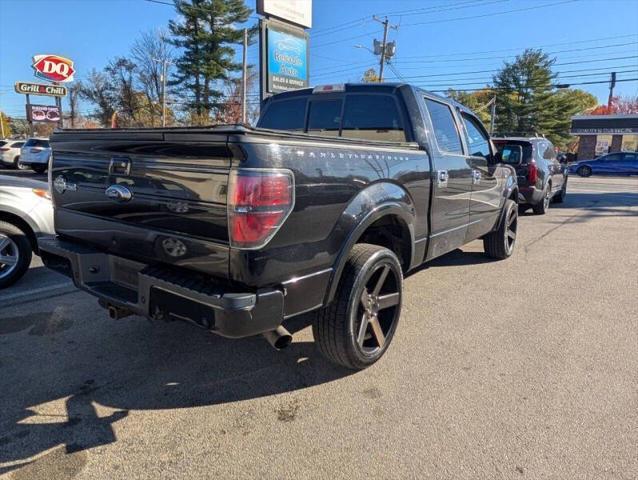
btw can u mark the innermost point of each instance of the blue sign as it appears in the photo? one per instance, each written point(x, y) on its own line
point(287, 59)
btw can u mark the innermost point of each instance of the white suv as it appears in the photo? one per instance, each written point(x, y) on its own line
point(10, 152)
point(36, 153)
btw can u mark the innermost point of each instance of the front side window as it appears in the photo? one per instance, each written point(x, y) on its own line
point(614, 157)
point(324, 117)
point(477, 139)
point(444, 126)
point(285, 115)
point(372, 117)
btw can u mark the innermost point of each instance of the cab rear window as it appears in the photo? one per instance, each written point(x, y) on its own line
point(364, 116)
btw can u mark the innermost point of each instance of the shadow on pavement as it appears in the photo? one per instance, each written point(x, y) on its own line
point(123, 366)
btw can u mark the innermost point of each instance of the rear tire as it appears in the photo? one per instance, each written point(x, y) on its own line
point(500, 243)
point(39, 168)
point(357, 327)
point(16, 162)
point(15, 254)
point(542, 206)
point(560, 198)
point(584, 171)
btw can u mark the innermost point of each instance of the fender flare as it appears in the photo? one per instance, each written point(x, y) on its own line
point(361, 213)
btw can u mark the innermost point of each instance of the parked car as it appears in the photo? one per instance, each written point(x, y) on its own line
point(36, 153)
point(274, 222)
point(541, 177)
point(619, 163)
point(26, 213)
point(10, 153)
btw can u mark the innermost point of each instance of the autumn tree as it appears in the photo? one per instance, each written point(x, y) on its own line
point(370, 76)
point(479, 102)
point(6, 126)
point(619, 105)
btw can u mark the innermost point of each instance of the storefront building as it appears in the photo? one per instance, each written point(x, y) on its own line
point(601, 134)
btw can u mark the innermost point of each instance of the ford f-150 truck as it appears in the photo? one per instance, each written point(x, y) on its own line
point(338, 192)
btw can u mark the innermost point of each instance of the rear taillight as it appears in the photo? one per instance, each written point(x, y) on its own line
point(36, 150)
point(4, 149)
point(259, 200)
point(532, 173)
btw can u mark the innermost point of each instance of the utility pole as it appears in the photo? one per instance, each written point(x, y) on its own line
point(493, 115)
point(244, 77)
point(386, 25)
point(612, 84)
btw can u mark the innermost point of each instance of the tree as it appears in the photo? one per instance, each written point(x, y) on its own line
point(622, 105)
point(97, 89)
point(370, 76)
point(478, 101)
point(73, 99)
point(527, 102)
point(230, 109)
point(6, 126)
point(205, 34)
point(153, 58)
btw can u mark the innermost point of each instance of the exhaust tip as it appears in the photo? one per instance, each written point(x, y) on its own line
point(279, 338)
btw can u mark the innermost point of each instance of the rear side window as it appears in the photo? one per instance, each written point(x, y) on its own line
point(547, 151)
point(325, 117)
point(477, 139)
point(2, 143)
point(445, 130)
point(285, 115)
point(372, 117)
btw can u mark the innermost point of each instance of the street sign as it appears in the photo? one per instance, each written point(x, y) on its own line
point(53, 68)
point(43, 113)
point(284, 57)
point(40, 89)
point(295, 11)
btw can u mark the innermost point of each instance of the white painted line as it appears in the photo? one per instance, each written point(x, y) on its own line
point(36, 291)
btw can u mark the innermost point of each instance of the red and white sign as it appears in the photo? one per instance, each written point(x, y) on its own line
point(53, 68)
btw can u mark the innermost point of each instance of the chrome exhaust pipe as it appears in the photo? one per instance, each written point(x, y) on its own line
point(279, 338)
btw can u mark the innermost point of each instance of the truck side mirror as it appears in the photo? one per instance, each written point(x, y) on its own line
point(512, 155)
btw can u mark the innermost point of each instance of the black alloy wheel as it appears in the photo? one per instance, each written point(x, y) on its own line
point(356, 328)
point(500, 243)
point(584, 171)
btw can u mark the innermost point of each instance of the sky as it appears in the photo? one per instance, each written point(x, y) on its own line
point(440, 44)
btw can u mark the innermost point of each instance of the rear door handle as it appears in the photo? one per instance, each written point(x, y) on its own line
point(442, 176)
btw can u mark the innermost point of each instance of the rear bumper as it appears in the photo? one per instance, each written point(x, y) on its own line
point(529, 196)
point(159, 292)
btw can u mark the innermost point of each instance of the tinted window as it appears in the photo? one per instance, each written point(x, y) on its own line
point(17, 144)
point(614, 157)
point(285, 115)
point(527, 148)
point(477, 139)
point(325, 117)
point(36, 142)
point(631, 157)
point(2, 143)
point(372, 117)
point(445, 131)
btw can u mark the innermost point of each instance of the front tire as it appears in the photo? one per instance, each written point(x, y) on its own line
point(584, 171)
point(15, 254)
point(500, 243)
point(39, 168)
point(560, 198)
point(356, 329)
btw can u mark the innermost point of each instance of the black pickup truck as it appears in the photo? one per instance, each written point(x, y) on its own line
point(337, 193)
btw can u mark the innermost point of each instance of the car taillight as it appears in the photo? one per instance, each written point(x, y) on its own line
point(4, 149)
point(532, 173)
point(258, 203)
point(36, 150)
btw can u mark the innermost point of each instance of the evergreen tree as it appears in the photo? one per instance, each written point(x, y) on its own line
point(527, 102)
point(205, 34)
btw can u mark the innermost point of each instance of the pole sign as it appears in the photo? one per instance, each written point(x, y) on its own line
point(284, 55)
point(294, 11)
point(40, 89)
point(53, 68)
point(43, 113)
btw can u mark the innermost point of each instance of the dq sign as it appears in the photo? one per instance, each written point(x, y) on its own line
point(53, 68)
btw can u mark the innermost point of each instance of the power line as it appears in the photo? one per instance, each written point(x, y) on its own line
point(555, 86)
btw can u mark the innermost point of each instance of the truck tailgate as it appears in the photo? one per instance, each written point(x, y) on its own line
point(156, 196)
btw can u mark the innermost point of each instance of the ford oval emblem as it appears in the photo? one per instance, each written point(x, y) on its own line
point(119, 193)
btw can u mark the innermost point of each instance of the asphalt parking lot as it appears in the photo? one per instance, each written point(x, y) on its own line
point(526, 368)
